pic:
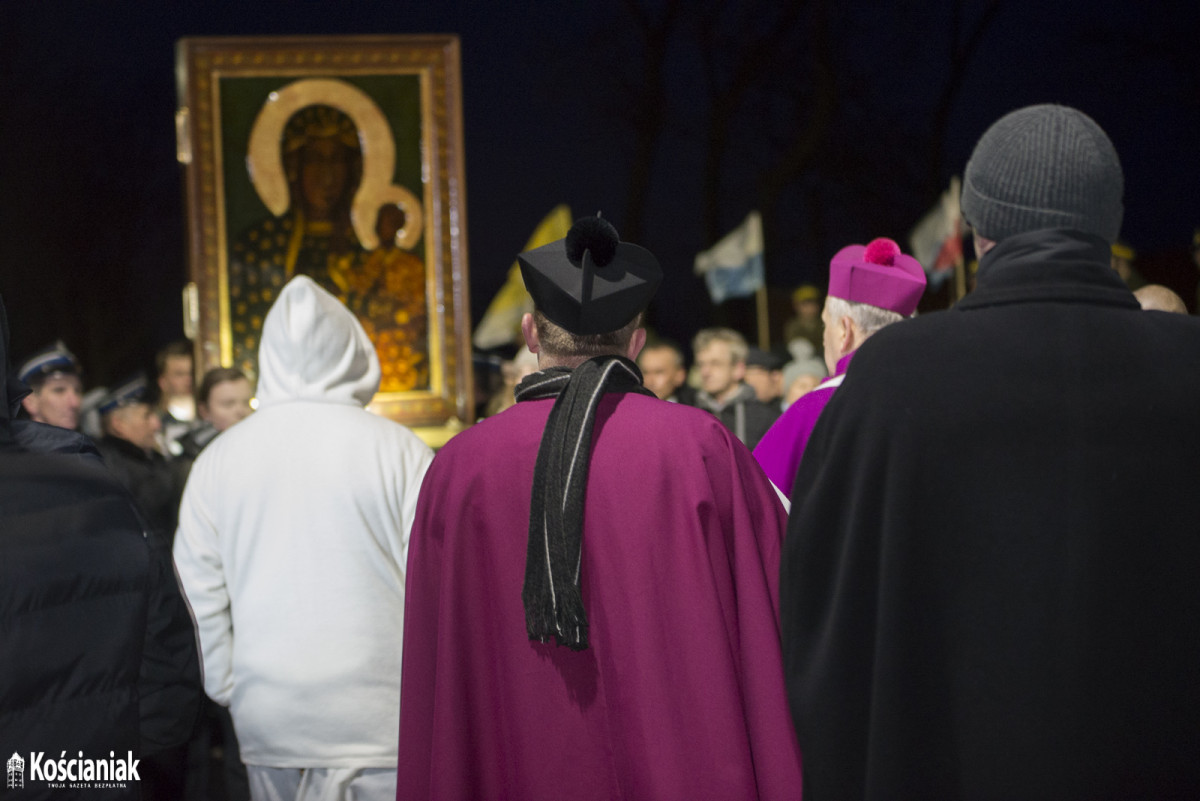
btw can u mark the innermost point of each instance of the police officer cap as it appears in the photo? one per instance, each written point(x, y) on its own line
point(132, 390)
point(48, 362)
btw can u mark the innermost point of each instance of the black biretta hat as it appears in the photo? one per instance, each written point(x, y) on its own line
point(590, 282)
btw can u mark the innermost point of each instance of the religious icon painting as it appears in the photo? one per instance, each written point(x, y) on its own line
point(339, 158)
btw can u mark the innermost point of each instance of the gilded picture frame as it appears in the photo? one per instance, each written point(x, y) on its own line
point(339, 158)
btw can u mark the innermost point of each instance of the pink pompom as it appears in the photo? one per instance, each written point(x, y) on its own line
point(881, 251)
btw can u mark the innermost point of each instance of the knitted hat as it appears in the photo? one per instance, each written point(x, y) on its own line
point(879, 275)
point(1040, 167)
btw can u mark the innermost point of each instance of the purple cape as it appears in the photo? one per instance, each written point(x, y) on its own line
point(781, 447)
point(680, 695)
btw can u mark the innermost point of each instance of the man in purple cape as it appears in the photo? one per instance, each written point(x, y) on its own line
point(869, 288)
point(592, 578)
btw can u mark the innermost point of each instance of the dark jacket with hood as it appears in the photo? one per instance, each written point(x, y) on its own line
point(99, 649)
point(989, 580)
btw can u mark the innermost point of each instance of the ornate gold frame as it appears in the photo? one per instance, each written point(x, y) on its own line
point(436, 209)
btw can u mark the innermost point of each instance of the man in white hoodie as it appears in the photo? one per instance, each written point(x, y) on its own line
point(292, 542)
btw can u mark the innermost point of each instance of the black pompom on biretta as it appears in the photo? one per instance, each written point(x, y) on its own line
point(594, 234)
point(590, 282)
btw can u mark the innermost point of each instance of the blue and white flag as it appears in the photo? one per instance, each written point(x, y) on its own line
point(733, 268)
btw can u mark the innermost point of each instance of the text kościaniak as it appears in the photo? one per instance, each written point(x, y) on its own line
point(79, 769)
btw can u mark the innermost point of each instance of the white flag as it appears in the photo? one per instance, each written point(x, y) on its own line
point(733, 268)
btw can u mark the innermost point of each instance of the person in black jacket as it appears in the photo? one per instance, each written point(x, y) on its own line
point(222, 399)
point(988, 585)
point(56, 396)
point(99, 659)
point(721, 362)
point(129, 448)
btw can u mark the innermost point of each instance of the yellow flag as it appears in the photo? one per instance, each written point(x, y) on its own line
point(501, 323)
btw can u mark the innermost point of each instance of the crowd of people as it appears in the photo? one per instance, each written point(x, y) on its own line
point(938, 556)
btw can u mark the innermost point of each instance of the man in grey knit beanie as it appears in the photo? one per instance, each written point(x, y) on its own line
point(987, 587)
point(1042, 167)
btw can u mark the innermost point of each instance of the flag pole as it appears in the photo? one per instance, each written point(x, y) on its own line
point(764, 333)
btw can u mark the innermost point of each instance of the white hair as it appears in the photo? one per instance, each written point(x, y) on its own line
point(868, 318)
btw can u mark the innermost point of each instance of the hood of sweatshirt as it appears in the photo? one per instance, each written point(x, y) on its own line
point(314, 349)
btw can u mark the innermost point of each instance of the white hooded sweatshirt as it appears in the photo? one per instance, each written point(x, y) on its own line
point(292, 542)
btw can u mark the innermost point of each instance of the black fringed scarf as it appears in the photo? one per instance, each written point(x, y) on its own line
point(553, 604)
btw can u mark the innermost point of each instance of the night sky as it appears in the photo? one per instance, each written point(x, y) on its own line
point(557, 99)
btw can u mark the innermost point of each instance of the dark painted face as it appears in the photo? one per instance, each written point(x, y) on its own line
point(324, 176)
point(389, 223)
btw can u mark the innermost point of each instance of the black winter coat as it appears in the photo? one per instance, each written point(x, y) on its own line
point(99, 649)
point(156, 487)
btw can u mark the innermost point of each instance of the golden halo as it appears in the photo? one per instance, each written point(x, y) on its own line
point(264, 157)
point(414, 218)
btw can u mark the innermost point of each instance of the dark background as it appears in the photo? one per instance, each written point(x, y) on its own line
point(840, 122)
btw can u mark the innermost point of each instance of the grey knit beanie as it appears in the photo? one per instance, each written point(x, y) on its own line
point(1044, 166)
